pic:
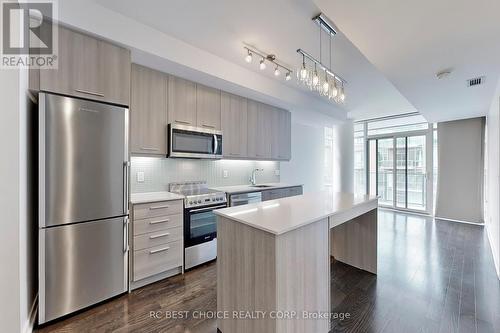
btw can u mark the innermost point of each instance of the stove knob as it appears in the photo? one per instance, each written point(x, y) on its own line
point(217, 199)
point(199, 201)
point(213, 199)
point(190, 202)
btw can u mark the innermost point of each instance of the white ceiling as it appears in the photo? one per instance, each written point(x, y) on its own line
point(409, 41)
point(279, 26)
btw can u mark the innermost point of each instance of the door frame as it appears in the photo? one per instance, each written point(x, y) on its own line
point(428, 133)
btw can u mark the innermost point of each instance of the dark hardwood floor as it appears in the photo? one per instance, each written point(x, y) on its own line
point(433, 276)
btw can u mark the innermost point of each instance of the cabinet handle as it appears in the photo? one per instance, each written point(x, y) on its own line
point(160, 235)
point(89, 92)
point(157, 207)
point(159, 250)
point(147, 148)
point(160, 221)
point(208, 126)
point(183, 122)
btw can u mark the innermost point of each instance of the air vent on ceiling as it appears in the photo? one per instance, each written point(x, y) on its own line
point(475, 81)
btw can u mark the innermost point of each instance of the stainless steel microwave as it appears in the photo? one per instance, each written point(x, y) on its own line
point(193, 142)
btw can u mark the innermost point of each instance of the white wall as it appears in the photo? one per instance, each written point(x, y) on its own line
point(493, 178)
point(308, 154)
point(9, 201)
point(18, 235)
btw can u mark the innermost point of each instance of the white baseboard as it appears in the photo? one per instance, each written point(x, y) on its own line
point(459, 221)
point(30, 324)
point(494, 251)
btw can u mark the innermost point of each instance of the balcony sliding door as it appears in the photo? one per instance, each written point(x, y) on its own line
point(398, 168)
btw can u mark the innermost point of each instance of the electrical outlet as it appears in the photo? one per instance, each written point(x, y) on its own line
point(277, 172)
point(140, 176)
point(225, 173)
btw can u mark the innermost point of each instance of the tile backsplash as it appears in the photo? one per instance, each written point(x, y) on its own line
point(159, 172)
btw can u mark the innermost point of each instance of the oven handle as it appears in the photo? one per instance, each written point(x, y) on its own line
point(207, 209)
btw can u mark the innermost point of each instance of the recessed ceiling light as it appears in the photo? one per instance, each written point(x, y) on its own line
point(443, 74)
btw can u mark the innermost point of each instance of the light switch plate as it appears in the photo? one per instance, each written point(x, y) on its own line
point(140, 176)
point(225, 173)
point(277, 172)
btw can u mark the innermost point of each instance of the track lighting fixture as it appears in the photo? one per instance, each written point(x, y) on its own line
point(277, 71)
point(271, 58)
point(262, 64)
point(248, 57)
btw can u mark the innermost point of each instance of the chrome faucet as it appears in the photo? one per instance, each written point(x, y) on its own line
point(253, 179)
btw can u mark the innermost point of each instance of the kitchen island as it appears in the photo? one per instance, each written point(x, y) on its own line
point(273, 259)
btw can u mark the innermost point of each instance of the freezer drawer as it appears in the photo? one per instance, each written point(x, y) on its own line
point(80, 265)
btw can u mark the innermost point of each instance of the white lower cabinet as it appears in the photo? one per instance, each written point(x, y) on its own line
point(156, 240)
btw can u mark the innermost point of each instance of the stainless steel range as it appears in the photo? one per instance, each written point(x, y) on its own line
point(200, 223)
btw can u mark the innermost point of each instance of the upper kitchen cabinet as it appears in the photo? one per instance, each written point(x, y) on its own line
point(208, 107)
point(182, 101)
point(89, 68)
point(148, 111)
point(259, 130)
point(234, 125)
point(281, 134)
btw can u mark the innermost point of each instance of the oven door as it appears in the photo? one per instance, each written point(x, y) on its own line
point(200, 225)
point(194, 142)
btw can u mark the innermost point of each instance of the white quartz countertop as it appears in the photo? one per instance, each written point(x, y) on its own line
point(286, 214)
point(249, 188)
point(138, 198)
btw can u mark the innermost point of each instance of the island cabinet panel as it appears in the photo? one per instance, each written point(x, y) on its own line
point(181, 101)
point(259, 130)
point(257, 271)
point(148, 111)
point(208, 107)
point(234, 118)
point(355, 243)
point(89, 68)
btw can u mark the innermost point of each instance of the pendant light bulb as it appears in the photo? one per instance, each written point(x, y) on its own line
point(315, 80)
point(262, 64)
point(248, 57)
point(276, 71)
point(334, 91)
point(326, 86)
point(342, 97)
point(288, 77)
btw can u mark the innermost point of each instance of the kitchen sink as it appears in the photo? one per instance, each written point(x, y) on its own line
point(261, 186)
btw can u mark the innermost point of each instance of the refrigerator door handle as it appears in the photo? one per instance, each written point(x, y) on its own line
point(126, 165)
point(125, 234)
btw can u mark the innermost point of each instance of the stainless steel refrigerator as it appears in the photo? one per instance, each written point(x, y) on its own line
point(82, 203)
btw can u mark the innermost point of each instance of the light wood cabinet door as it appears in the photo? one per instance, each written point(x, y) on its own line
point(114, 76)
point(234, 118)
point(181, 101)
point(281, 134)
point(259, 136)
point(252, 128)
point(208, 107)
point(89, 68)
point(148, 111)
point(265, 131)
